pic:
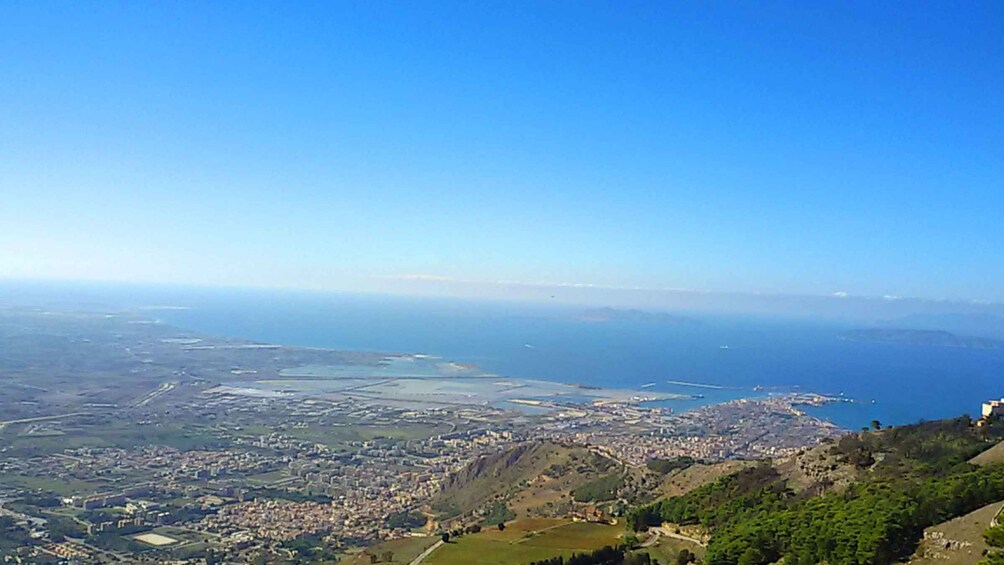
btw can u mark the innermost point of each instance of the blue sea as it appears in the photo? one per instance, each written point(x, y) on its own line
point(740, 356)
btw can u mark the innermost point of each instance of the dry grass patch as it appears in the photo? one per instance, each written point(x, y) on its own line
point(958, 541)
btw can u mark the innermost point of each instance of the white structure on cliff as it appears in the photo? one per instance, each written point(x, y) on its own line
point(993, 408)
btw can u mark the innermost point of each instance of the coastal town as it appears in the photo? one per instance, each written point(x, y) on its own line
point(233, 465)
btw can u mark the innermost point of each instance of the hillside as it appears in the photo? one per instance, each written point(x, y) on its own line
point(815, 471)
point(958, 541)
point(921, 494)
point(819, 470)
point(991, 456)
point(532, 479)
point(882, 488)
point(682, 481)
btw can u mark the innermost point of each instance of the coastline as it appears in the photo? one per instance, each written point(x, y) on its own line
point(764, 355)
point(427, 379)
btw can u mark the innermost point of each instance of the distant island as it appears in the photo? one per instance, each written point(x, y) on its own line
point(922, 337)
point(615, 314)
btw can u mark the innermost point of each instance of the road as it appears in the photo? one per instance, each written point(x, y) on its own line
point(161, 390)
point(40, 419)
point(653, 539)
point(671, 533)
point(997, 517)
point(427, 553)
point(20, 516)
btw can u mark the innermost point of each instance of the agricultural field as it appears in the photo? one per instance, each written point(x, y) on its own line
point(48, 484)
point(402, 551)
point(98, 431)
point(526, 540)
point(337, 436)
point(667, 549)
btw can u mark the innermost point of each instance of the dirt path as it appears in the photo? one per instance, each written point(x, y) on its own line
point(672, 534)
point(535, 532)
point(653, 539)
point(427, 553)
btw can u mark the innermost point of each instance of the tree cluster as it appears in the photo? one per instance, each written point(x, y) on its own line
point(604, 556)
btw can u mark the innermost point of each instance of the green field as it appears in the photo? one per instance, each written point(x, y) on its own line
point(338, 436)
point(269, 477)
point(59, 487)
point(112, 434)
point(403, 550)
point(516, 545)
point(668, 549)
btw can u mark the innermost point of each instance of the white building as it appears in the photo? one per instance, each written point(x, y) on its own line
point(993, 408)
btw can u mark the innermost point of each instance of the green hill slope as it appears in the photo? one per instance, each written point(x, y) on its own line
point(898, 482)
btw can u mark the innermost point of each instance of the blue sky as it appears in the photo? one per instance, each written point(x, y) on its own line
point(803, 147)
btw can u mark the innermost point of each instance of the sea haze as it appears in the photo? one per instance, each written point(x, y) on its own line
point(894, 383)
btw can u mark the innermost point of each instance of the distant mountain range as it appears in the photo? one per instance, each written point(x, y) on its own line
point(937, 338)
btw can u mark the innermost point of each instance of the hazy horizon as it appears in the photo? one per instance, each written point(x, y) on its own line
point(969, 318)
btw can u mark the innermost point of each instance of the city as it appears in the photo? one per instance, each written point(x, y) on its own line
point(241, 467)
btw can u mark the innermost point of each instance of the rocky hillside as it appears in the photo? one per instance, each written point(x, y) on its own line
point(545, 471)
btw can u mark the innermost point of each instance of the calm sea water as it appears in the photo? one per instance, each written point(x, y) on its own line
point(892, 383)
